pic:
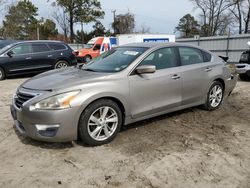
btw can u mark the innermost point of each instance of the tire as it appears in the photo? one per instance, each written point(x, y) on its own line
point(61, 64)
point(93, 129)
point(2, 74)
point(244, 77)
point(88, 58)
point(213, 101)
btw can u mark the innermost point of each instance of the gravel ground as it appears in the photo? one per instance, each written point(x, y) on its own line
point(189, 148)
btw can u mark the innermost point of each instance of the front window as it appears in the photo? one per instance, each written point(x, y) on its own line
point(22, 49)
point(115, 60)
point(88, 46)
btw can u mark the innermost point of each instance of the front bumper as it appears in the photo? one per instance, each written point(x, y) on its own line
point(49, 126)
point(243, 68)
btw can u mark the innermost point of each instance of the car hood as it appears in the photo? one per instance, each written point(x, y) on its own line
point(60, 79)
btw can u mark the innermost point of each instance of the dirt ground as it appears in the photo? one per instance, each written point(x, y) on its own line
point(189, 148)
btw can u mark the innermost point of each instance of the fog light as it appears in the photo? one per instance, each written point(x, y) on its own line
point(47, 130)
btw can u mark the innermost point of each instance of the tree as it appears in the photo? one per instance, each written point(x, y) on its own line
point(241, 12)
point(48, 29)
point(20, 21)
point(84, 11)
point(124, 23)
point(62, 20)
point(99, 29)
point(143, 29)
point(212, 14)
point(188, 26)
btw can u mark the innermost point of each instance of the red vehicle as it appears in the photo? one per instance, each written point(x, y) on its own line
point(95, 47)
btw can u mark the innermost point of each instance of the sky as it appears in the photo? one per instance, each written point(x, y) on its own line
point(161, 16)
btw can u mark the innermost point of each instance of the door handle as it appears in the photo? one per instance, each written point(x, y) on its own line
point(208, 69)
point(176, 77)
point(50, 55)
point(28, 58)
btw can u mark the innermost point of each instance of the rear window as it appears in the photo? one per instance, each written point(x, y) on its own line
point(207, 56)
point(190, 56)
point(56, 46)
point(40, 48)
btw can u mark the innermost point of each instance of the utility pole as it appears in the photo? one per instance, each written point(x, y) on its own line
point(38, 33)
point(114, 23)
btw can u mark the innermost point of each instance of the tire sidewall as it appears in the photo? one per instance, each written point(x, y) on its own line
point(88, 57)
point(83, 122)
point(61, 61)
point(208, 105)
point(3, 74)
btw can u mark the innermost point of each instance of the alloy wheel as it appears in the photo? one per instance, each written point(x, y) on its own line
point(215, 96)
point(102, 123)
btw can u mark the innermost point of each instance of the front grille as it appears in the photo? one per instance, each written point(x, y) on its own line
point(22, 98)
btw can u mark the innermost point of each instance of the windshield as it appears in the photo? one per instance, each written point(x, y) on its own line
point(115, 60)
point(5, 48)
point(88, 46)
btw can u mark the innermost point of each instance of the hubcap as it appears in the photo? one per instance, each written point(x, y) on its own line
point(215, 96)
point(102, 123)
point(61, 65)
point(1, 74)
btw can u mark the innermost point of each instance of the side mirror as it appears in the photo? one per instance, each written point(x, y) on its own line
point(10, 53)
point(145, 69)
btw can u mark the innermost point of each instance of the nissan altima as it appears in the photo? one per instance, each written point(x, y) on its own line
point(125, 85)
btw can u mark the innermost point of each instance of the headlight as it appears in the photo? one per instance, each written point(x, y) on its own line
point(61, 101)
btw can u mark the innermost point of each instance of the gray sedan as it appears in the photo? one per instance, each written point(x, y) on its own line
point(127, 84)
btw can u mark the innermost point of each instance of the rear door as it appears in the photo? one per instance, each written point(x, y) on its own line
point(159, 91)
point(42, 57)
point(196, 69)
point(19, 62)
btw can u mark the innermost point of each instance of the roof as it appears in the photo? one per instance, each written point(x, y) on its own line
point(38, 41)
point(159, 44)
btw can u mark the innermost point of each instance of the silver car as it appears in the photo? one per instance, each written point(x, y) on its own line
point(127, 84)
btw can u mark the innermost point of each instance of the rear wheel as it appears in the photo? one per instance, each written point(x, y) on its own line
point(100, 122)
point(214, 96)
point(244, 77)
point(2, 74)
point(61, 64)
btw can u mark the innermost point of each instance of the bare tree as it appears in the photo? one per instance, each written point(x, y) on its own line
point(213, 12)
point(62, 20)
point(144, 29)
point(241, 12)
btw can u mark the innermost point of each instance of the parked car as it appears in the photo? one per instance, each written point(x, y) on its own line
point(243, 68)
point(34, 57)
point(124, 85)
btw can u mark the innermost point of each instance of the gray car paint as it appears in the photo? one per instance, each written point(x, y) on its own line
point(142, 96)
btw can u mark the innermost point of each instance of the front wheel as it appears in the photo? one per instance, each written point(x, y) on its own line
point(100, 122)
point(214, 96)
point(61, 64)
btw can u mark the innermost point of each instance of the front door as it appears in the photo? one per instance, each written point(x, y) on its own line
point(159, 91)
point(20, 60)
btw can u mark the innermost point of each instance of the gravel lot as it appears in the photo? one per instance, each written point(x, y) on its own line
point(189, 148)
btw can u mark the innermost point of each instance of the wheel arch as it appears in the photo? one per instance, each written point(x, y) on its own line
point(221, 81)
